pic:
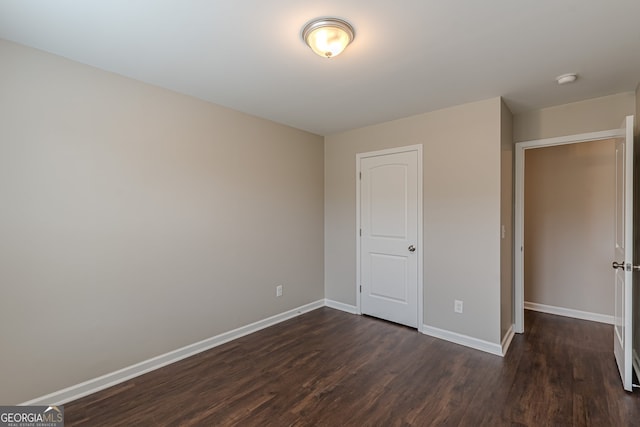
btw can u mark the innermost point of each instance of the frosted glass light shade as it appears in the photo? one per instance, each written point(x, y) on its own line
point(328, 37)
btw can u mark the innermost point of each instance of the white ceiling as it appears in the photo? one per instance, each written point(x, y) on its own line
point(408, 57)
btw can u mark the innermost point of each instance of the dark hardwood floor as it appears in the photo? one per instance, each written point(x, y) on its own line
point(329, 368)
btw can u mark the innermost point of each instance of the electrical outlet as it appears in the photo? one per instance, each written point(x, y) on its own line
point(457, 306)
point(279, 290)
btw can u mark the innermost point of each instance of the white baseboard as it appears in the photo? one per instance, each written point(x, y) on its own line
point(465, 340)
point(569, 312)
point(94, 385)
point(105, 381)
point(341, 306)
point(506, 340)
point(456, 338)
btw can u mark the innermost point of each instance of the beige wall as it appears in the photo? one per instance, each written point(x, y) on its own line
point(136, 220)
point(506, 219)
point(591, 115)
point(569, 211)
point(461, 161)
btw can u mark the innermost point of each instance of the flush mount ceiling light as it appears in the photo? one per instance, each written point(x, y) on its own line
point(566, 78)
point(328, 37)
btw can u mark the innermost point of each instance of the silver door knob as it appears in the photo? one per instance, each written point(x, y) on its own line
point(412, 248)
point(621, 266)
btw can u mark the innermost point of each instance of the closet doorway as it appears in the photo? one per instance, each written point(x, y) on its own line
point(619, 280)
point(568, 229)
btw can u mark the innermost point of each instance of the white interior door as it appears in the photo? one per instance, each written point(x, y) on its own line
point(623, 262)
point(389, 249)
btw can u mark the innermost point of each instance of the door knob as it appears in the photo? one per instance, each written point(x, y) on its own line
point(618, 265)
point(622, 266)
point(412, 248)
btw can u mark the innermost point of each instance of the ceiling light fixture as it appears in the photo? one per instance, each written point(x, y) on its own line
point(566, 78)
point(328, 37)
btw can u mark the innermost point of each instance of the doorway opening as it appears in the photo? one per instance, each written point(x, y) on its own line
point(519, 248)
point(569, 230)
point(622, 249)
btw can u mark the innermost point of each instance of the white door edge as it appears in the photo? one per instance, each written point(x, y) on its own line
point(518, 247)
point(359, 157)
point(623, 349)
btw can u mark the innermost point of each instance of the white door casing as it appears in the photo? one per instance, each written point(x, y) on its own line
point(623, 255)
point(389, 228)
point(519, 245)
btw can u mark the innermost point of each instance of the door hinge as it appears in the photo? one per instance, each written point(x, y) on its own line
point(360, 288)
point(361, 231)
point(360, 175)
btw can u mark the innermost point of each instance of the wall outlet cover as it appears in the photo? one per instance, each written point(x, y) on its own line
point(457, 306)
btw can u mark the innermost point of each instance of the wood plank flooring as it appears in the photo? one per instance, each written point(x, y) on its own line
point(329, 368)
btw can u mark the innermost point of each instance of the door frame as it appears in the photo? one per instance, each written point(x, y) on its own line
point(518, 247)
point(420, 249)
